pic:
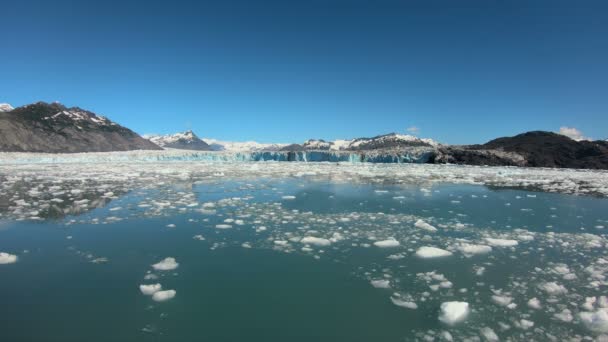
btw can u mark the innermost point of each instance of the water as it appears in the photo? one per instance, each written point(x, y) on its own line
point(79, 267)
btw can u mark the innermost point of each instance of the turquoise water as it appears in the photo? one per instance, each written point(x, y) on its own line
point(77, 276)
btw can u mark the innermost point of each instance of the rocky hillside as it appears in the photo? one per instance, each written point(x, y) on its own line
point(183, 141)
point(54, 128)
point(533, 149)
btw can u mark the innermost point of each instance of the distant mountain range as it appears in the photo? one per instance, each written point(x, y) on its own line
point(184, 141)
point(54, 128)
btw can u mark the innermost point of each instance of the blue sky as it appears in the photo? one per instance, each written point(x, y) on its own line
point(284, 71)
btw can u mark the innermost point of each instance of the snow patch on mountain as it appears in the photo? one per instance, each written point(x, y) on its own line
point(382, 141)
point(244, 146)
point(184, 140)
point(5, 107)
point(81, 115)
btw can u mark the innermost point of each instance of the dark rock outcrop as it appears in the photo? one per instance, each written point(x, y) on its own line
point(533, 149)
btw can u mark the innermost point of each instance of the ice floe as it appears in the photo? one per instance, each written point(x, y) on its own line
point(151, 289)
point(432, 252)
point(161, 296)
point(389, 243)
point(454, 312)
point(6, 258)
point(166, 264)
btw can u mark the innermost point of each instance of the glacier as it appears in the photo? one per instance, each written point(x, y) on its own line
point(414, 156)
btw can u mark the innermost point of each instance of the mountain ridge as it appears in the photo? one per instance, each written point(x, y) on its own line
point(55, 128)
point(186, 140)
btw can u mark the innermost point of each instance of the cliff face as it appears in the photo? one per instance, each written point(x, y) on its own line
point(54, 128)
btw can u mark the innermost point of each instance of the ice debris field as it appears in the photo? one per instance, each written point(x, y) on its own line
point(477, 253)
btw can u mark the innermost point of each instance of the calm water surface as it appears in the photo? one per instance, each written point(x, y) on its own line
point(244, 274)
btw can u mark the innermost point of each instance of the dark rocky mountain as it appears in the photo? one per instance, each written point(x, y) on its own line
point(54, 128)
point(184, 141)
point(533, 149)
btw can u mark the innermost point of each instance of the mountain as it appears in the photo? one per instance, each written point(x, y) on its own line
point(246, 146)
point(183, 141)
point(5, 107)
point(54, 128)
point(390, 141)
point(533, 149)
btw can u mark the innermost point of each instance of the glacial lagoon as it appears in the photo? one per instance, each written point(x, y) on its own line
point(268, 251)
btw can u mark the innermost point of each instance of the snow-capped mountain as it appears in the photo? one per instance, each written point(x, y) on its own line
point(234, 146)
point(53, 127)
point(185, 141)
point(5, 107)
point(387, 141)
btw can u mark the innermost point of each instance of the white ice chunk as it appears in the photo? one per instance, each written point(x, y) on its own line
point(151, 289)
point(595, 321)
point(6, 258)
point(454, 312)
point(404, 303)
point(387, 243)
point(534, 303)
point(425, 226)
point(469, 250)
point(166, 264)
point(311, 240)
point(381, 284)
point(501, 242)
point(432, 252)
point(162, 296)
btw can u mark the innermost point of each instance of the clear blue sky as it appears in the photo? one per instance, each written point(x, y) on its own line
point(284, 71)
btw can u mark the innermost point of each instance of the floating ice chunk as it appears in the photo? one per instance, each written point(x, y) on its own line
point(223, 226)
point(246, 245)
point(524, 324)
point(553, 288)
point(162, 296)
point(595, 321)
point(335, 237)
point(470, 250)
point(198, 237)
point(404, 303)
point(454, 312)
point(502, 300)
point(423, 225)
point(381, 284)
point(534, 303)
point(311, 240)
point(6, 258)
point(501, 242)
point(288, 197)
point(387, 243)
point(489, 334)
point(171, 225)
point(166, 264)
point(564, 316)
point(151, 289)
point(150, 276)
point(432, 252)
point(589, 302)
point(281, 242)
